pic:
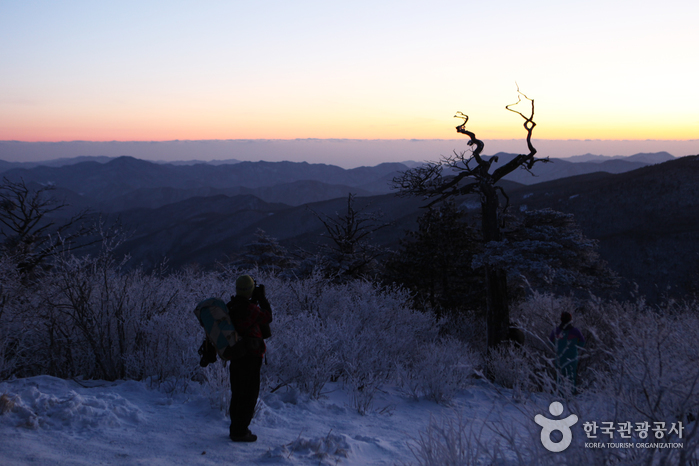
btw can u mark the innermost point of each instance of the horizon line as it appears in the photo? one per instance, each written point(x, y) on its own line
point(331, 140)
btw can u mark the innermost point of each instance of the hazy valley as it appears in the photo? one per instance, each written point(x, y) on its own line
point(644, 213)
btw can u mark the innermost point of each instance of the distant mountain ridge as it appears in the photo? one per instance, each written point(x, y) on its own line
point(647, 219)
point(61, 162)
point(194, 162)
point(649, 158)
point(562, 168)
point(646, 222)
point(121, 183)
point(4, 166)
point(293, 194)
point(101, 182)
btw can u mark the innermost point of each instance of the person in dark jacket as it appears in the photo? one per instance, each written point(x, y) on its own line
point(566, 340)
point(250, 313)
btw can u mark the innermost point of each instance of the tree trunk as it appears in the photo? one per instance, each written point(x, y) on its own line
point(498, 312)
point(498, 315)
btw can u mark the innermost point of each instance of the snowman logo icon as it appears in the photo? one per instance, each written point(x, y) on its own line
point(561, 425)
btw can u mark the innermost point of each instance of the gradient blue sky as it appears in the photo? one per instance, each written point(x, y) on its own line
point(155, 71)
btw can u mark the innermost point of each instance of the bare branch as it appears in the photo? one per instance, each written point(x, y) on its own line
point(472, 137)
point(525, 161)
point(507, 198)
point(28, 232)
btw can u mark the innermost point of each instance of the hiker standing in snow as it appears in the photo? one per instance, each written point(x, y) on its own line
point(566, 339)
point(251, 314)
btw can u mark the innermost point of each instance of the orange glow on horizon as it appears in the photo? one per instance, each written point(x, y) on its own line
point(199, 134)
point(149, 125)
point(239, 70)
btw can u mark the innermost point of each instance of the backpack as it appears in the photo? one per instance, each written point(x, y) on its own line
point(221, 337)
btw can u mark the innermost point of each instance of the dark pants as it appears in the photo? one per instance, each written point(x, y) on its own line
point(245, 387)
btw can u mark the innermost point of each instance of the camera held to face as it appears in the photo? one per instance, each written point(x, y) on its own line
point(258, 293)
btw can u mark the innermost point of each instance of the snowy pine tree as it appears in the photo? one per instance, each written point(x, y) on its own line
point(549, 251)
point(435, 261)
point(265, 253)
point(350, 254)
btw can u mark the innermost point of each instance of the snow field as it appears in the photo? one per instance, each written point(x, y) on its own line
point(353, 376)
point(70, 411)
point(55, 421)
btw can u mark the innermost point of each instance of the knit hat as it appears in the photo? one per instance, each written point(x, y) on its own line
point(244, 286)
point(566, 317)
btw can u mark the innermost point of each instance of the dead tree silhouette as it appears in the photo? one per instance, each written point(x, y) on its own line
point(470, 173)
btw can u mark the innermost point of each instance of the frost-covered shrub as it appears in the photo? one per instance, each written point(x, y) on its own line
point(540, 313)
point(174, 336)
point(17, 324)
point(653, 367)
point(375, 329)
point(357, 332)
point(442, 368)
point(88, 317)
point(364, 370)
point(361, 334)
point(216, 378)
point(300, 352)
point(533, 366)
point(639, 352)
point(498, 439)
point(510, 367)
point(467, 327)
point(638, 359)
point(114, 324)
point(102, 321)
point(452, 441)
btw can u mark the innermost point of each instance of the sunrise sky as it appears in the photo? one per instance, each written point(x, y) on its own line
point(157, 71)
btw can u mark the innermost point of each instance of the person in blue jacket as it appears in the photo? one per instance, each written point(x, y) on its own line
point(566, 340)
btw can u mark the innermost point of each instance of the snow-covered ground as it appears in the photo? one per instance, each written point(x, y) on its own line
point(639, 368)
point(47, 420)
